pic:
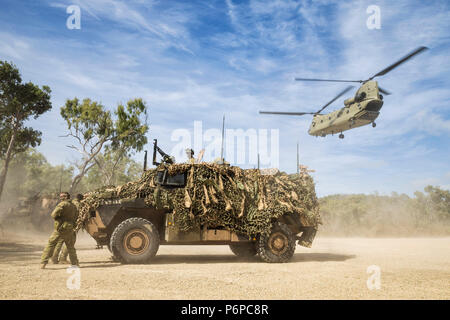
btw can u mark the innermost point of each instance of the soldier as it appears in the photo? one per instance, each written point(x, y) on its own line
point(62, 259)
point(65, 215)
point(190, 155)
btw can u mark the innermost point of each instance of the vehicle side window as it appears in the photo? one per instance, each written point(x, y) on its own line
point(164, 179)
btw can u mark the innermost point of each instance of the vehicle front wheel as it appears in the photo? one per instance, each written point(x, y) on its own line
point(278, 246)
point(247, 249)
point(134, 241)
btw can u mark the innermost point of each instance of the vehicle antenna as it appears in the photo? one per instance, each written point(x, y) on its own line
point(60, 178)
point(223, 134)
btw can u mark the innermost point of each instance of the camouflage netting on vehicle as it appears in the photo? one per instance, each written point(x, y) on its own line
point(243, 201)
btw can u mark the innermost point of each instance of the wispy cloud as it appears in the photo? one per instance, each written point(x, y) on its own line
point(196, 61)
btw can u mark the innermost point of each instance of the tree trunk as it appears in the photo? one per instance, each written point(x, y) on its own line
point(85, 168)
point(7, 160)
point(77, 179)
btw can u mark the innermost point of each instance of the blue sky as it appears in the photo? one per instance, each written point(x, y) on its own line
point(198, 60)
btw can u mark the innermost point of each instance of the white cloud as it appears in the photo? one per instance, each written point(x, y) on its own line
point(250, 67)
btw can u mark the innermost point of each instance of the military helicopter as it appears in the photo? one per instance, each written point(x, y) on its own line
point(358, 111)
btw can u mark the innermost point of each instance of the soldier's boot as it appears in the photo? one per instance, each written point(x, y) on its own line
point(43, 265)
point(54, 261)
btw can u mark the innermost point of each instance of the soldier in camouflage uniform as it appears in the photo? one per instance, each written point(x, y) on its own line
point(62, 258)
point(65, 215)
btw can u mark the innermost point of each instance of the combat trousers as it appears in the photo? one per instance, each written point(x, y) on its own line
point(57, 250)
point(59, 255)
point(68, 237)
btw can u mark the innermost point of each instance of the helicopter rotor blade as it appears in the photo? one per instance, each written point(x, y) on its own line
point(335, 98)
point(384, 91)
point(327, 80)
point(286, 113)
point(399, 62)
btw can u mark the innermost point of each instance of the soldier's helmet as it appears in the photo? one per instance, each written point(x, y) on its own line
point(64, 196)
point(79, 197)
point(189, 153)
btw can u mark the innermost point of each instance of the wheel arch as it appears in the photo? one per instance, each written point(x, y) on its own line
point(292, 220)
point(156, 217)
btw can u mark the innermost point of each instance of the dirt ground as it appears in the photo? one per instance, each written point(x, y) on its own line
point(335, 268)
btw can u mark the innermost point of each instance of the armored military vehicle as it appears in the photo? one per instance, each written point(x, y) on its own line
point(252, 211)
point(32, 211)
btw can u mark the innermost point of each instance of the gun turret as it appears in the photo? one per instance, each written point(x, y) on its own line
point(165, 157)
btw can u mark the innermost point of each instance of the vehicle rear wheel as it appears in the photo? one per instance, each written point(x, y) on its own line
point(134, 241)
point(278, 246)
point(246, 249)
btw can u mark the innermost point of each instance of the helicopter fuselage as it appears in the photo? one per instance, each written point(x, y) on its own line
point(358, 111)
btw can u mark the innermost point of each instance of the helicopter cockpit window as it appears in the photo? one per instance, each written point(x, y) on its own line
point(360, 96)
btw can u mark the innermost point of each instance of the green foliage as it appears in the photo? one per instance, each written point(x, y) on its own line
point(95, 129)
point(130, 127)
point(25, 138)
point(31, 174)
point(396, 215)
point(18, 103)
point(87, 120)
point(113, 168)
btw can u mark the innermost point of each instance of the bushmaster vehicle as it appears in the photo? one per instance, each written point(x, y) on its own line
point(203, 204)
point(360, 110)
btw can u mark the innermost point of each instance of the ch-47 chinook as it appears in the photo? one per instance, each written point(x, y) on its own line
point(358, 111)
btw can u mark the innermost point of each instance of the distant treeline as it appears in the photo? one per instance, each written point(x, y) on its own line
point(425, 214)
point(31, 175)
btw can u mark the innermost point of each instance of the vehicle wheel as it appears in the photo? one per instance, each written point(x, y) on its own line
point(113, 257)
point(246, 249)
point(134, 241)
point(278, 246)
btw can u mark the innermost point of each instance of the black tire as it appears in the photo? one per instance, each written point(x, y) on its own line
point(134, 241)
point(278, 246)
point(245, 250)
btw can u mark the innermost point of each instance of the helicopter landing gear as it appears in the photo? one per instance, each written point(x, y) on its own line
point(341, 136)
point(374, 124)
